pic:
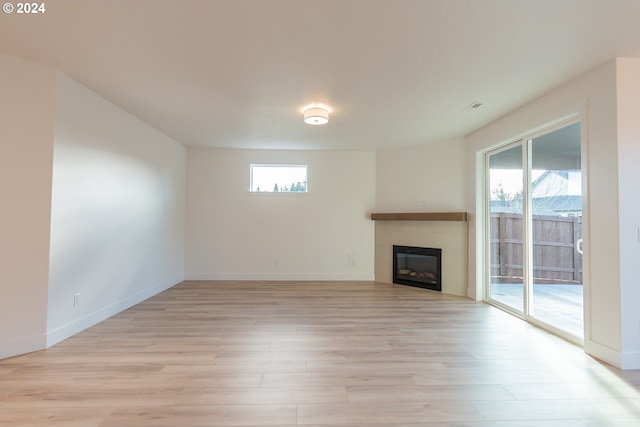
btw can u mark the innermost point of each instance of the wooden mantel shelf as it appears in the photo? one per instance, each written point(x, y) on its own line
point(420, 216)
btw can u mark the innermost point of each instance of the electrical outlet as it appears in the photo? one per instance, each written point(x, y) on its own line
point(76, 300)
point(351, 259)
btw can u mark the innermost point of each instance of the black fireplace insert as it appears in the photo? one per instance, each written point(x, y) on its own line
point(414, 266)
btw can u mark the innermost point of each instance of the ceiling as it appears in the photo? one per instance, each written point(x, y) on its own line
point(236, 73)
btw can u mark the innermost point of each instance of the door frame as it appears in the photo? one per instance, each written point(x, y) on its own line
point(525, 140)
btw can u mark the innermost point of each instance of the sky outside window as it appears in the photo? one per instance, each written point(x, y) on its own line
point(278, 178)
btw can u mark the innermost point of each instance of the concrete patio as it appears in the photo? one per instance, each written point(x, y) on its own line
point(558, 305)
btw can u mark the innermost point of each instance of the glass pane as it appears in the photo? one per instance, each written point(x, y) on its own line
point(556, 197)
point(506, 228)
point(278, 178)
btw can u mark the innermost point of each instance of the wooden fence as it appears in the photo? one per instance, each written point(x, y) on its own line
point(556, 259)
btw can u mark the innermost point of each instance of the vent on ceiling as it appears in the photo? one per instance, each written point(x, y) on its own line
point(473, 106)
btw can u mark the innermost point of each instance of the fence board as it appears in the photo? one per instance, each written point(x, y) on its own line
point(555, 258)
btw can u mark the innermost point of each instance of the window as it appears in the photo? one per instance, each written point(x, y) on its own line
point(278, 179)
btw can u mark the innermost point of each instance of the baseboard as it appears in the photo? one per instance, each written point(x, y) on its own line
point(65, 331)
point(22, 345)
point(604, 353)
point(282, 277)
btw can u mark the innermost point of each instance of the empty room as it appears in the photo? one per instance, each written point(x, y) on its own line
point(381, 213)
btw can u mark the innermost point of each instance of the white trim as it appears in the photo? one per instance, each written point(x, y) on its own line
point(78, 325)
point(586, 225)
point(480, 225)
point(604, 353)
point(527, 227)
point(22, 345)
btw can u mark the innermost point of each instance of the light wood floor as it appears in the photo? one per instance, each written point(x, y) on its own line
point(314, 354)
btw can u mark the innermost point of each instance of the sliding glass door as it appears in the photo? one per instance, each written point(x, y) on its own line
point(556, 229)
point(506, 281)
point(534, 225)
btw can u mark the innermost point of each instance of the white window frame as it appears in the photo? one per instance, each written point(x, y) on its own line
point(283, 182)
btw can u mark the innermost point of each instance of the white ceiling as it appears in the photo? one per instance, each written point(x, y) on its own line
point(235, 73)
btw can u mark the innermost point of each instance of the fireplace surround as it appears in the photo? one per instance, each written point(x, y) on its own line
point(416, 266)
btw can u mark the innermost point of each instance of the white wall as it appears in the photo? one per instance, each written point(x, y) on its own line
point(26, 150)
point(234, 234)
point(593, 98)
point(425, 178)
point(117, 216)
point(628, 92)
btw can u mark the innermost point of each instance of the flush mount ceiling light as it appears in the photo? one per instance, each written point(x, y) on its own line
point(316, 115)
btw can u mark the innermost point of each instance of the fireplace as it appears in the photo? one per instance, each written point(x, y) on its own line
point(419, 267)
